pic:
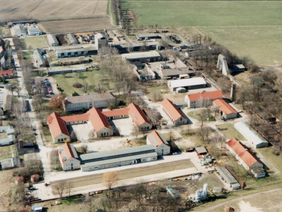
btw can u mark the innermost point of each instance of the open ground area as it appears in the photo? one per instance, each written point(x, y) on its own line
point(79, 25)
point(45, 10)
point(92, 78)
point(134, 172)
point(229, 131)
point(34, 42)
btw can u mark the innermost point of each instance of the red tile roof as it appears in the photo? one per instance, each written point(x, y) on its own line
point(243, 152)
point(137, 114)
point(157, 137)
point(224, 106)
point(57, 125)
point(6, 73)
point(118, 112)
point(68, 152)
point(172, 110)
point(80, 117)
point(211, 95)
point(97, 119)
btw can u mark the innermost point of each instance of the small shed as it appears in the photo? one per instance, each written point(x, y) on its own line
point(37, 208)
point(34, 178)
point(201, 150)
point(19, 180)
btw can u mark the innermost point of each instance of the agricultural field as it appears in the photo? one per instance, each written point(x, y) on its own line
point(262, 43)
point(45, 10)
point(79, 25)
point(207, 13)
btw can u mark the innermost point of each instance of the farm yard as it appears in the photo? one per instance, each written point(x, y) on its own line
point(45, 10)
point(79, 25)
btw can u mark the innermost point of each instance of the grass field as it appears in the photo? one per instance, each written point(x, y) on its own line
point(229, 131)
point(5, 152)
point(260, 43)
point(134, 172)
point(66, 82)
point(207, 13)
point(34, 42)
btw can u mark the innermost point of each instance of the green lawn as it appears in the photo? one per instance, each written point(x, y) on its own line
point(5, 152)
point(229, 131)
point(207, 13)
point(275, 160)
point(27, 56)
point(260, 43)
point(34, 42)
point(66, 82)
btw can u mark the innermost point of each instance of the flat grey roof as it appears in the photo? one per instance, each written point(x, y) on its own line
point(201, 150)
point(19, 29)
point(73, 151)
point(72, 38)
point(85, 98)
point(34, 30)
point(52, 39)
point(187, 82)
point(10, 162)
point(175, 71)
point(227, 176)
point(76, 48)
point(119, 160)
point(131, 56)
point(66, 68)
point(116, 152)
point(143, 35)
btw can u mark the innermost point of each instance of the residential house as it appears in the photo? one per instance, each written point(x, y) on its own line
point(68, 157)
point(52, 40)
point(138, 117)
point(161, 145)
point(7, 74)
point(98, 100)
point(174, 113)
point(202, 99)
point(225, 110)
point(245, 157)
point(58, 128)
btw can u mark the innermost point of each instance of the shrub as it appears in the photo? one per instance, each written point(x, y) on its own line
point(275, 150)
point(75, 94)
point(77, 85)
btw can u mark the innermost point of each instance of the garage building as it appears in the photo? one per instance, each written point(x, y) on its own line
point(191, 83)
point(118, 157)
point(52, 40)
point(226, 111)
point(227, 177)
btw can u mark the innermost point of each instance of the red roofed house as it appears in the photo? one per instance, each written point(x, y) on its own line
point(100, 123)
point(161, 145)
point(138, 117)
point(68, 157)
point(225, 109)
point(58, 128)
point(202, 99)
point(7, 74)
point(174, 113)
point(245, 157)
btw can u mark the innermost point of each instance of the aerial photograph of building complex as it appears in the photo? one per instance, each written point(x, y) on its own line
point(141, 106)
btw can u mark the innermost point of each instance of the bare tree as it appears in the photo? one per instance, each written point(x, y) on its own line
point(59, 188)
point(109, 179)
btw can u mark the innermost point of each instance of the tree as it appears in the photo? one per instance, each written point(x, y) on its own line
point(59, 188)
point(156, 96)
point(56, 102)
point(73, 136)
point(75, 94)
point(109, 179)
